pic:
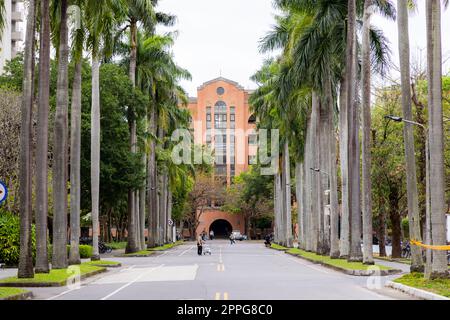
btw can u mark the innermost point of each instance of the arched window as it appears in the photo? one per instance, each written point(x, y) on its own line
point(220, 115)
point(252, 119)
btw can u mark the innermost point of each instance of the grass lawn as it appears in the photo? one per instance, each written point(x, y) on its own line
point(277, 247)
point(9, 292)
point(340, 263)
point(102, 262)
point(417, 280)
point(166, 246)
point(138, 253)
point(54, 277)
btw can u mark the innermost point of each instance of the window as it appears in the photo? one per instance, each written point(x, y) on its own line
point(208, 117)
point(252, 139)
point(252, 119)
point(252, 160)
point(232, 117)
point(220, 91)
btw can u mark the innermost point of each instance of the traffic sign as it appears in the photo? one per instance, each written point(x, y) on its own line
point(3, 192)
point(170, 222)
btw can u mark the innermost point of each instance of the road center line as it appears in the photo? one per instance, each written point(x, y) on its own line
point(190, 248)
point(131, 282)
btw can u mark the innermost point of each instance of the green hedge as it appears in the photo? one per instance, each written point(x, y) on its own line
point(10, 238)
point(10, 241)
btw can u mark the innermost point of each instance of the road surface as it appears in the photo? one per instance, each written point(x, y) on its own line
point(246, 270)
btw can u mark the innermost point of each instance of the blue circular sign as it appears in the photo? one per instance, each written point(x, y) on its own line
point(3, 192)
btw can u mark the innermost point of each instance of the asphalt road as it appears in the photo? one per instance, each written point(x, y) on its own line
point(246, 270)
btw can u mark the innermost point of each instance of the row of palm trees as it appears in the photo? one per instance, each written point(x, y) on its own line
point(124, 29)
point(318, 90)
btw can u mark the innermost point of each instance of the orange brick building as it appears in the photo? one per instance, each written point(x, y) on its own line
point(222, 120)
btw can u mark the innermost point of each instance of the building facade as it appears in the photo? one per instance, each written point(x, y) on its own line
point(222, 120)
point(12, 37)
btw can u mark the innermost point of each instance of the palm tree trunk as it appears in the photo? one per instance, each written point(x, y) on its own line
point(132, 239)
point(408, 135)
point(323, 176)
point(95, 154)
point(436, 137)
point(344, 243)
point(332, 170)
point(25, 191)
point(287, 195)
point(132, 194)
point(42, 265)
point(300, 203)
point(307, 188)
point(137, 207)
point(142, 199)
point(151, 180)
point(75, 183)
point(315, 178)
point(278, 208)
point(169, 216)
point(366, 139)
point(59, 258)
point(353, 164)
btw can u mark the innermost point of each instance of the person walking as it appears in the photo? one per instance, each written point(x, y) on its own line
point(211, 235)
point(232, 241)
point(200, 243)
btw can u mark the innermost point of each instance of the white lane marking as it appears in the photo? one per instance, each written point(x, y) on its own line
point(131, 282)
point(61, 294)
point(190, 248)
point(128, 269)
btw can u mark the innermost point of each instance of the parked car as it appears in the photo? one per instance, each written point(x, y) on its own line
point(238, 236)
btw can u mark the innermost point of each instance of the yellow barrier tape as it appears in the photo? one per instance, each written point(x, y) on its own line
point(427, 246)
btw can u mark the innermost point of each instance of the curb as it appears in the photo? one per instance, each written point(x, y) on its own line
point(360, 273)
point(417, 293)
point(20, 296)
point(48, 284)
point(107, 265)
point(134, 255)
point(276, 249)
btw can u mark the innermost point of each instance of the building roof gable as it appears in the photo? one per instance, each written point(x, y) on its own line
point(234, 83)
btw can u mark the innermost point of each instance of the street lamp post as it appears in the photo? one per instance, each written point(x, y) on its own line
point(427, 188)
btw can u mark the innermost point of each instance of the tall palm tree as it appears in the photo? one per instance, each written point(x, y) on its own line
point(75, 142)
point(408, 136)
point(366, 136)
point(353, 143)
point(59, 256)
point(435, 136)
point(157, 75)
point(102, 20)
point(25, 192)
point(42, 265)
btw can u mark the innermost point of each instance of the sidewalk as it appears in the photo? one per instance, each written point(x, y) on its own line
point(8, 272)
point(397, 265)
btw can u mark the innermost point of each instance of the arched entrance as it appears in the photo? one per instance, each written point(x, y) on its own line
point(222, 228)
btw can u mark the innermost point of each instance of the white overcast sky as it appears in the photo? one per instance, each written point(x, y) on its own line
point(221, 37)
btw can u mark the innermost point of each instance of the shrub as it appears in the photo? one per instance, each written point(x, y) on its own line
point(85, 251)
point(10, 238)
